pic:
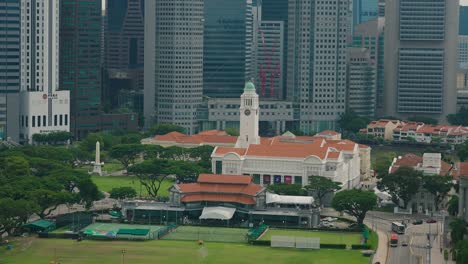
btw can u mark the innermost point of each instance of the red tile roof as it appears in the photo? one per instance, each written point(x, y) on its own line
point(413, 160)
point(210, 136)
point(224, 179)
point(462, 169)
point(328, 132)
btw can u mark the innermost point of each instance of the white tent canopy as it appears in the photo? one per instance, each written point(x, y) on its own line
point(288, 199)
point(218, 212)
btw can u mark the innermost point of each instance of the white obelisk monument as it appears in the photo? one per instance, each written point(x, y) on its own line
point(97, 168)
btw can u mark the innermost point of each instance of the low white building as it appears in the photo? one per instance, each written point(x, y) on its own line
point(288, 159)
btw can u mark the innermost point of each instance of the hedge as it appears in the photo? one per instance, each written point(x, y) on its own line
point(261, 242)
point(334, 246)
point(359, 246)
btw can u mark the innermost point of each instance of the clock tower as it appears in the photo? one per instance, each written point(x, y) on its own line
point(249, 113)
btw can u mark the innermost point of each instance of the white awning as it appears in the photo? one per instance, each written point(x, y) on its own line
point(218, 212)
point(288, 199)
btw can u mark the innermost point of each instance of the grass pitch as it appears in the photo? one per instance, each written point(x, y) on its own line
point(38, 251)
point(106, 183)
point(213, 234)
point(325, 237)
point(103, 228)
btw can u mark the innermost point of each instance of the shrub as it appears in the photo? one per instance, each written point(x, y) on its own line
point(359, 246)
point(334, 246)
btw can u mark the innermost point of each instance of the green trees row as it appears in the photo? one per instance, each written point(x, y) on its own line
point(38, 185)
point(406, 182)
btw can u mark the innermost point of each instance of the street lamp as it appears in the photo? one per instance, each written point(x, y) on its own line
point(123, 256)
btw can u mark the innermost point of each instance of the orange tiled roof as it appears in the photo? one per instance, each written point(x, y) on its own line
point(328, 132)
point(413, 160)
point(225, 150)
point(210, 136)
point(225, 179)
point(463, 169)
point(213, 133)
point(230, 198)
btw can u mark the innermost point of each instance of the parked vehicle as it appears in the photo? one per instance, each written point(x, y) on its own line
point(418, 222)
point(431, 221)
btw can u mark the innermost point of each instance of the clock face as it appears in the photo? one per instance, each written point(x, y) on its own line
point(247, 112)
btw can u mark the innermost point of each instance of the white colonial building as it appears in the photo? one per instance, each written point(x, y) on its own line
point(288, 158)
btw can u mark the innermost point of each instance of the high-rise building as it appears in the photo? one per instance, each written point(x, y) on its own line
point(277, 10)
point(463, 21)
point(80, 61)
point(316, 77)
point(43, 106)
point(9, 69)
point(364, 10)
point(227, 47)
point(463, 51)
point(174, 62)
point(268, 62)
point(381, 8)
point(370, 35)
point(361, 82)
point(124, 54)
point(420, 51)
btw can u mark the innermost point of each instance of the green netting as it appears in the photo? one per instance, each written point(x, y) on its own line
point(133, 232)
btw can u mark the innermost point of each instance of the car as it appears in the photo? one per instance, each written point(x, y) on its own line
point(327, 224)
point(431, 221)
point(418, 222)
point(404, 243)
point(329, 219)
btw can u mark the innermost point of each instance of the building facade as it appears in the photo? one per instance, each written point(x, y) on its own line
point(287, 159)
point(364, 10)
point(277, 10)
point(316, 76)
point(174, 62)
point(361, 79)
point(463, 21)
point(463, 51)
point(420, 51)
point(80, 62)
point(268, 61)
point(10, 60)
point(44, 107)
point(124, 54)
point(381, 128)
point(370, 35)
point(227, 47)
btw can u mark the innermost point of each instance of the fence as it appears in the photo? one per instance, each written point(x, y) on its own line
point(295, 242)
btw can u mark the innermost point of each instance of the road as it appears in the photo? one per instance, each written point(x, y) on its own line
point(416, 237)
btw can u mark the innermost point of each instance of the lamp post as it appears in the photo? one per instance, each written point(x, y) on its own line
point(123, 256)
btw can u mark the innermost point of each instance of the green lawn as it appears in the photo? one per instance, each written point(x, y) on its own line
point(325, 237)
point(213, 234)
point(37, 251)
point(106, 183)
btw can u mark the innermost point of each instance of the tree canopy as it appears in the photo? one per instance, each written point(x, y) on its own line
point(462, 151)
point(401, 185)
point(232, 131)
point(424, 119)
point(460, 118)
point(355, 202)
point(288, 189)
point(322, 186)
point(438, 186)
point(122, 193)
point(162, 129)
point(126, 153)
point(351, 122)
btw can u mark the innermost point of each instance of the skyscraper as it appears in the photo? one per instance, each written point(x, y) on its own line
point(277, 10)
point(124, 54)
point(43, 107)
point(173, 62)
point(463, 22)
point(370, 35)
point(420, 56)
point(227, 47)
point(316, 77)
point(364, 10)
point(268, 62)
point(9, 69)
point(361, 82)
point(80, 65)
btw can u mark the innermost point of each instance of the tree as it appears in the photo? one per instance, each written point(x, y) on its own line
point(59, 137)
point(453, 206)
point(457, 230)
point(162, 129)
point(355, 202)
point(175, 153)
point(232, 131)
point(203, 155)
point(460, 118)
point(382, 163)
point(351, 122)
point(438, 186)
point(88, 192)
point(288, 189)
point(186, 171)
point(462, 151)
point(401, 185)
point(152, 174)
point(14, 166)
point(126, 153)
point(462, 252)
point(322, 186)
point(48, 200)
point(122, 193)
point(14, 214)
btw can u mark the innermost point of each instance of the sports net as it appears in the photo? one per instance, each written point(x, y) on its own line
point(283, 241)
point(214, 234)
point(295, 242)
